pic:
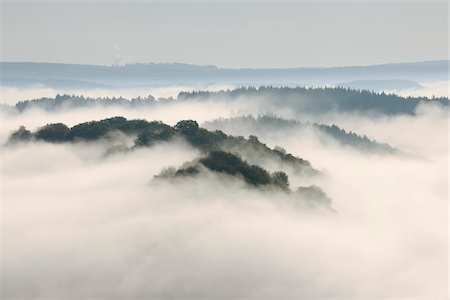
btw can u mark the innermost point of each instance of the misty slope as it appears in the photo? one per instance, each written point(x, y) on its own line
point(232, 165)
point(150, 133)
point(49, 74)
point(263, 125)
point(299, 100)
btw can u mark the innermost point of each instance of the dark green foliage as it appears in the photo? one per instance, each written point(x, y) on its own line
point(94, 130)
point(280, 179)
point(200, 137)
point(21, 134)
point(145, 139)
point(291, 159)
point(98, 129)
point(253, 139)
point(88, 131)
point(233, 165)
point(150, 137)
point(224, 162)
point(255, 175)
point(187, 127)
point(189, 171)
point(206, 140)
point(149, 133)
point(52, 133)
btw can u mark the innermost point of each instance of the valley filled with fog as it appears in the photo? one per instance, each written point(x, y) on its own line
point(267, 192)
point(224, 150)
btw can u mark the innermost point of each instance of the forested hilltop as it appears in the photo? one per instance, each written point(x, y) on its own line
point(147, 134)
point(234, 157)
point(300, 100)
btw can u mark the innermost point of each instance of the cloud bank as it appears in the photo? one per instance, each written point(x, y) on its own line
point(77, 224)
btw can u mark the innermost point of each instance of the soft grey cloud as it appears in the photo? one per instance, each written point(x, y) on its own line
point(78, 225)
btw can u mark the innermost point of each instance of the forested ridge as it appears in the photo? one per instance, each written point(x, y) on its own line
point(148, 134)
point(233, 156)
point(299, 99)
point(321, 100)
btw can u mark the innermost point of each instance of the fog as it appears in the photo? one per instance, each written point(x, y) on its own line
point(77, 223)
point(430, 89)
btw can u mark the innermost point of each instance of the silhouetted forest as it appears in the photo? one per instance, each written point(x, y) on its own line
point(149, 133)
point(231, 164)
point(74, 101)
point(320, 100)
point(299, 99)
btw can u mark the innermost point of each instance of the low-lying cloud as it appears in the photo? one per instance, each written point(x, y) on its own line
point(79, 224)
point(431, 89)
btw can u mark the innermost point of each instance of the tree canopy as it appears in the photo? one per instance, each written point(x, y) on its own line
point(149, 133)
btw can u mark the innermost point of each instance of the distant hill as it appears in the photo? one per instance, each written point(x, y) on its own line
point(135, 75)
point(52, 83)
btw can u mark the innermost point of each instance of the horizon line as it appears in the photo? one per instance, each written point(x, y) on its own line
point(229, 68)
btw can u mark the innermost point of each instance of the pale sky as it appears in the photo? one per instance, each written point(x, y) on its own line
point(227, 34)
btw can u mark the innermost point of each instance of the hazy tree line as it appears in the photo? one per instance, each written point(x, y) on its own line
point(300, 99)
point(321, 100)
point(79, 101)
